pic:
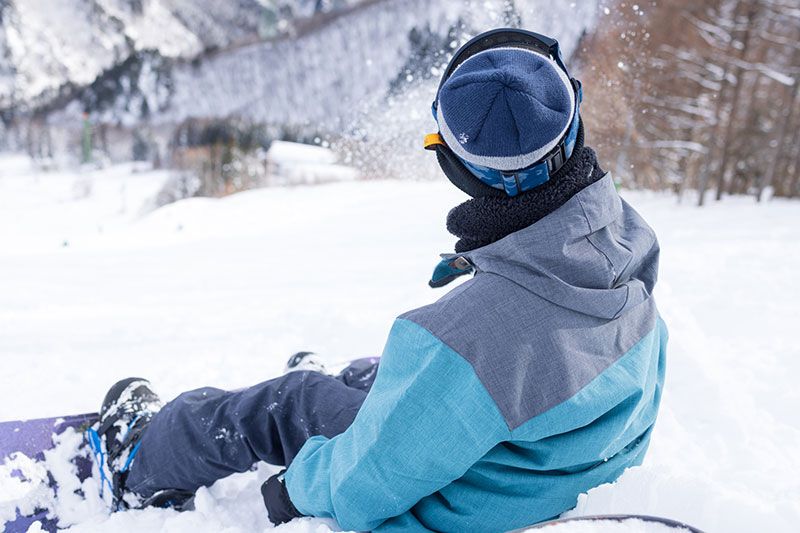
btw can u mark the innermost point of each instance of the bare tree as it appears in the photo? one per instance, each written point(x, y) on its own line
point(698, 95)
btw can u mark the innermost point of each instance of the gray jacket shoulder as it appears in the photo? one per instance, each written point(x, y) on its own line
point(529, 354)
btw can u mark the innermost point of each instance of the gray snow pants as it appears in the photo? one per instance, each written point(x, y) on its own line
point(207, 434)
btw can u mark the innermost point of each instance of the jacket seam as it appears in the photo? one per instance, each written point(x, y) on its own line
point(613, 268)
point(601, 252)
point(474, 371)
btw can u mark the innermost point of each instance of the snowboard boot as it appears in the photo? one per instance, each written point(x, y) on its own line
point(305, 361)
point(127, 409)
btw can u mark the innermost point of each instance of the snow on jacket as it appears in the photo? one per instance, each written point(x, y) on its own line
point(529, 384)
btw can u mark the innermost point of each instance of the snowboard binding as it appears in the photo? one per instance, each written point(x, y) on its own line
point(127, 409)
point(305, 361)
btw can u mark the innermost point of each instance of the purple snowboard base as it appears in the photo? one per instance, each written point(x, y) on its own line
point(33, 438)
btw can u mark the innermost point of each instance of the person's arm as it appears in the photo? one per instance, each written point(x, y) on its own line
point(425, 422)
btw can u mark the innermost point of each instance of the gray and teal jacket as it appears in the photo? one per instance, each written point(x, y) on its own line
point(527, 385)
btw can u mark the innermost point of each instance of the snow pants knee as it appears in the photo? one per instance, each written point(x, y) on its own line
point(207, 434)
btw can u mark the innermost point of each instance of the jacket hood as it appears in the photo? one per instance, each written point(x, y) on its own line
point(595, 254)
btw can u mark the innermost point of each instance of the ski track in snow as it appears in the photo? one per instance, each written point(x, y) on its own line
point(96, 286)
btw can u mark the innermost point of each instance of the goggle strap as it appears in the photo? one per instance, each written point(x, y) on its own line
point(511, 184)
point(515, 37)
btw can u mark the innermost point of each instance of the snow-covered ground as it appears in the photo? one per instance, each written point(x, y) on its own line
point(95, 286)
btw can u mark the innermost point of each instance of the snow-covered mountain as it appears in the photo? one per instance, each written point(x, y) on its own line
point(363, 68)
point(335, 72)
point(48, 47)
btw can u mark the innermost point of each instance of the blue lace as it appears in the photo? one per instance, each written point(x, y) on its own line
point(95, 444)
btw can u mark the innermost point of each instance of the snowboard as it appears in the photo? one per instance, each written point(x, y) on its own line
point(626, 519)
point(31, 438)
point(24, 442)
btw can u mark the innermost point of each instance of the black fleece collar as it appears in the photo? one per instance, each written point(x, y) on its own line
point(481, 221)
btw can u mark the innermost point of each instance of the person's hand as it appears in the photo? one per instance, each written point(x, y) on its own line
point(279, 507)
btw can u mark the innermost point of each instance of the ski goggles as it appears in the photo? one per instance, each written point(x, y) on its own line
point(512, 182)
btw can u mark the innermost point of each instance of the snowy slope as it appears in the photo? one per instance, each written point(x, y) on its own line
point(220, 292)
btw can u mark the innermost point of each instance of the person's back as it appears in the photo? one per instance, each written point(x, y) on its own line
point(531, 383)
point(566, 339)
point(492, 408)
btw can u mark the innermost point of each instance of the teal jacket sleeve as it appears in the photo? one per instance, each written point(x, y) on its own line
point(425, 422)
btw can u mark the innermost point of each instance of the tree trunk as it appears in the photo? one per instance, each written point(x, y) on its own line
point(766, 178)
point(711, 163)
point(730, 128)
point(794, 163)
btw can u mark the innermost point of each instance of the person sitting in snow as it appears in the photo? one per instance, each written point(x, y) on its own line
point(492, 408)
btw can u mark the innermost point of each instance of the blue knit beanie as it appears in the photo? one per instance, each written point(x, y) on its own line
point(505, 108)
